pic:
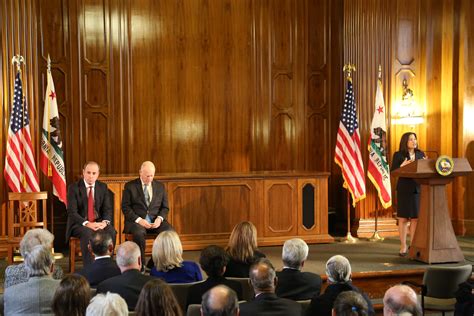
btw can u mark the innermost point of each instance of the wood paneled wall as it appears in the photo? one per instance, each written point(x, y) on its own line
point(193, 85)
point(247, 85)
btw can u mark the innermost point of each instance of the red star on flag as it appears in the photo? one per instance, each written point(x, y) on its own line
point(52, 95)
point(380, 109)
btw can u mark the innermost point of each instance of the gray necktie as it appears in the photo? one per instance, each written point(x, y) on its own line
point(147, 195)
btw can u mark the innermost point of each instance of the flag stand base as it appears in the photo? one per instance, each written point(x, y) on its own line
point(349, 239)
point(376, 237)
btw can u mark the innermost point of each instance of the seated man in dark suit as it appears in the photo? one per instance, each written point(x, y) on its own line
point(213, 261)
point(104, 267)
point(220, 300)
point(145, 206)
point(89, 208)
point(292, 283)
point(130, 283)
point(263, 279)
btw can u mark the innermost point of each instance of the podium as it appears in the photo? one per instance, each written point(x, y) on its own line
point(434, 240)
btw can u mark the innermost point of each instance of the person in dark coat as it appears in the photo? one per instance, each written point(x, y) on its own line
point(130, 283)
point(263, 279)
point(292, 283)
point(338, 271)
point(213, 261)
point(103, 267)
point(89, 208)
point(408, 191)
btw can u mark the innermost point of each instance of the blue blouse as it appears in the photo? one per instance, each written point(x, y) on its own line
point(189, 272)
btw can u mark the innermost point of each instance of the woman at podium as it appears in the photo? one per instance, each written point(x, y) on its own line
point(408, 191)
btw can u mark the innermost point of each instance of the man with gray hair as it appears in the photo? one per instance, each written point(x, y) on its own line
point(339, 272)
point(220, 301)
point(263, 279)
point(107, 304)
point(292, 283)
point(36, 295)
point(401, 300)
point(129, 284)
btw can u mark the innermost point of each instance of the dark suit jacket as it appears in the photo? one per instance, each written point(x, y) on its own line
point(270, 304)
point(239, 269)
point(100, 270)
point(77, 204)
point(296, 285)
point(133, 201)
point(128, 285)
point(196, 291)
point(322, 305)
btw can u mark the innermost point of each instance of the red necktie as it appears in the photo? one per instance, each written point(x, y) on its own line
point(90, 206)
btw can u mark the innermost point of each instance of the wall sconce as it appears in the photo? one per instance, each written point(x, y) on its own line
point(406, 112)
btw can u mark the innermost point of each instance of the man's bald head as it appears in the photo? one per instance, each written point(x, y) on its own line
point(147, 172)
point(400, 299)
point(220, 300)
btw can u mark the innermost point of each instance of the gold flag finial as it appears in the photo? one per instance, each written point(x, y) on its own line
point(348, 69)
point(18, 60)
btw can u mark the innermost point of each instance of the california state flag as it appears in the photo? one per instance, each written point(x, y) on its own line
point(378, 170)
point(52, 156)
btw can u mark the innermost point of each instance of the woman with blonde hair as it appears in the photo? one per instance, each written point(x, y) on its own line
point(167, 254)
point(242, 250)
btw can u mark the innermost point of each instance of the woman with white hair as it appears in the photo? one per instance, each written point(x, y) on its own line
point(107, 304)
point(339, 272)
point(15, 274)
point(167, 254)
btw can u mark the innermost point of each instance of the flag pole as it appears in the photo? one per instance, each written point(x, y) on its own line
point(348, 68)
point(17, 60)
point(375, 236)
point(349, 238)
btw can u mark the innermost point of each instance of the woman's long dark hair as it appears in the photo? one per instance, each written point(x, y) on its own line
point(72, 296)
point(157, 298)
point(403, 148)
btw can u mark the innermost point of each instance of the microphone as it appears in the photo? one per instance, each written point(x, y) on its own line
point(432, 152)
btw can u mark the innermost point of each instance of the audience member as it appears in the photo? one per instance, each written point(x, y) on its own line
point(36, 294)
point(167, 255)
point(338, 271)
point(401, 300)
point(350, 303)
point(213, 261)
point(157, 299)
point(145, 207)
point(72, 296)
point(292, 283)
point(220, 301)
point(131, 281)
point(107, 305)
point(15, 274)
point(242, 250)
point(89, 208)
point(263, 279)
point(103, 267)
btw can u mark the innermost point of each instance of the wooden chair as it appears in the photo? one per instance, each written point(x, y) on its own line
point(26, 210)
point(129, 237)
point(74, 250)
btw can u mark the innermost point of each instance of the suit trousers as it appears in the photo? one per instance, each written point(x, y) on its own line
point(84, 234)
point(139, 233)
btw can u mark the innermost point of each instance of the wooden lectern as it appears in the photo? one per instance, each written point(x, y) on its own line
point(434, 240)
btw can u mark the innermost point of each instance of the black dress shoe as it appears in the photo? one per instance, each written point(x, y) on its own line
point(403, 254)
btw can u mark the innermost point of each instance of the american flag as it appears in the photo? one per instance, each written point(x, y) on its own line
point(20, 170)
point(348, 155)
